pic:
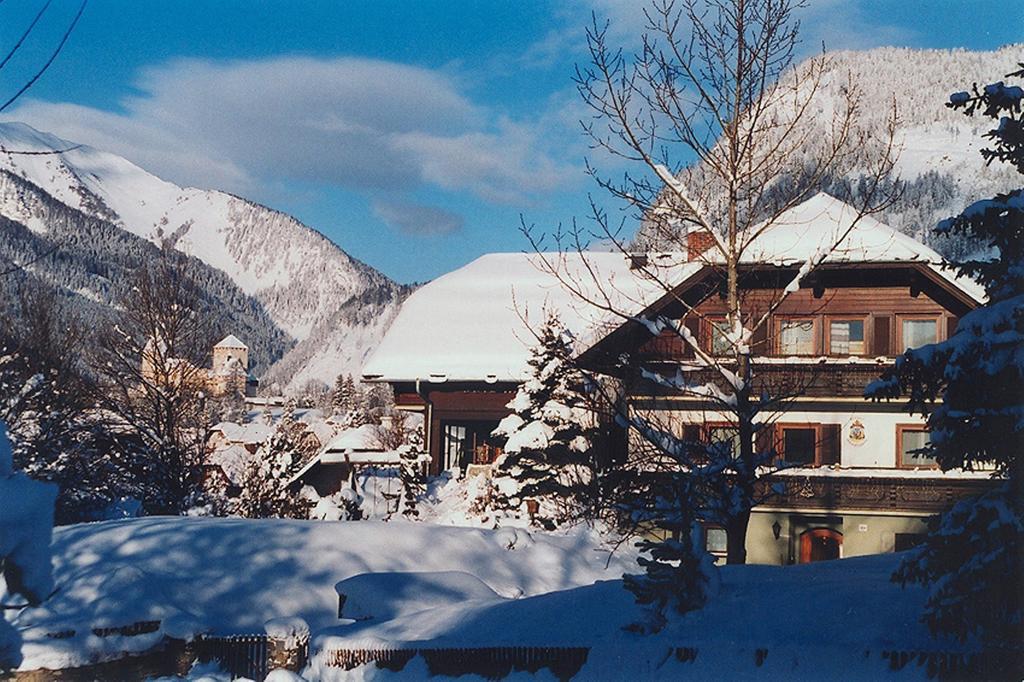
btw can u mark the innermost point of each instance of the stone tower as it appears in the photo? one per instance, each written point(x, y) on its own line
point(230, 355)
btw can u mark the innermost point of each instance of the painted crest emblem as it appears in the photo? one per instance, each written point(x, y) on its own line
point(857, 436)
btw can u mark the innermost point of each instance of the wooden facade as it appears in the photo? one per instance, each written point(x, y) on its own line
point(459, 418)
point(822, 345)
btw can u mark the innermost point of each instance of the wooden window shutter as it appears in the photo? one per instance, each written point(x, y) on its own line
point(830, 443)
point(759, 340)
point(951, 323)
point(692, 323)
point(691, 433)
point(880, 343)
point(764, 439)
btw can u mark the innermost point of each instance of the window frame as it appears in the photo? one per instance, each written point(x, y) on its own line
point(779, 441)
point(721, 555)
point(815, 335)
point(901, 348)
point(711, 322)
point(865, 319)
point(708, 427)
point(900, 430)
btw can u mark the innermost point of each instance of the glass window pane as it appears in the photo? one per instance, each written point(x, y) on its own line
point(716, 540)
point(917, 333)
point(725, 434)
point(846, 337)
point(911, 440)
point(796, 337)
point(798, 446)
point(719, 344)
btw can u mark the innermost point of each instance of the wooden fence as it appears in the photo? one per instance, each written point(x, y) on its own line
point(492, 663)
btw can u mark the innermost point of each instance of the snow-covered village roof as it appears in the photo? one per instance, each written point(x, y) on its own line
point(359, 445)
point(474, 323)
point(231, 341)
point(359, 439)
point(252, 433)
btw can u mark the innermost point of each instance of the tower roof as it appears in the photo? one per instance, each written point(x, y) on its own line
point(231, 341)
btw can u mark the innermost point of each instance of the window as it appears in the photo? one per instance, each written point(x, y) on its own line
point(716, 543)
point(720, 345)
point(846, 337)
point(908, 440)
point(454, 445)
point(467, 442)
point(725, 435)
point(917, 332)
point(796, 337)
point(798, 445)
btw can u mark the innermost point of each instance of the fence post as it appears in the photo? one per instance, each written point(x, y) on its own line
point(287, 643)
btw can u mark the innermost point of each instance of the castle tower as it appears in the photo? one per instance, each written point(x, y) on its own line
point(230, 355)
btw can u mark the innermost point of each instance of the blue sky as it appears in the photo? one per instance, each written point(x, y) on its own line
point(413, 134)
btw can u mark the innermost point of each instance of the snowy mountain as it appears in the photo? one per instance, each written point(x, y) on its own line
point(305, 284)
point(938, 158)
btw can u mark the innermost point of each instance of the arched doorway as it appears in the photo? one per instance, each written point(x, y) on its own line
point(820, 544)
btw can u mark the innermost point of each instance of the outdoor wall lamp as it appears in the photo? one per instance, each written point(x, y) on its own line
point(776, 529)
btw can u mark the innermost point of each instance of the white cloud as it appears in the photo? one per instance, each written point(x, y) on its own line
point(417, 219)
point(355, 123)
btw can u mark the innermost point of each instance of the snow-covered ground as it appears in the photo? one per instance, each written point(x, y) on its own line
point(428, 586)
point(229, 576)
point(830, 620)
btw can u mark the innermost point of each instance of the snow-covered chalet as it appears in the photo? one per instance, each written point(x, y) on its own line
point(853, 485)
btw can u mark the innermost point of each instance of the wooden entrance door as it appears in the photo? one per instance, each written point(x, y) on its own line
point(820, 544)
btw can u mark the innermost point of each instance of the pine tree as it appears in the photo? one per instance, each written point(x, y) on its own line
point(266, 490)
point(411, 462)
point(678, 572)
point(344, 397)
point(969, 387)
point(547, 444)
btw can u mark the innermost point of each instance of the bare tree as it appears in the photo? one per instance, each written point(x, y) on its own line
point(714, 86)
point(152, 372)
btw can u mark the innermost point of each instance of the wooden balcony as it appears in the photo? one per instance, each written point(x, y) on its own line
point(872, 492)
point(828, 378)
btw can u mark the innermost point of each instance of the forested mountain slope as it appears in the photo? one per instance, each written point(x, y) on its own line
point(297, 287)
point(938, 163)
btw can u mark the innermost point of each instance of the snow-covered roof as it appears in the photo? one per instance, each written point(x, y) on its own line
point(231, 341)
point(232, 460)
point(361, 438)
point(359, 445)
point(252, 433)
point(475, 323)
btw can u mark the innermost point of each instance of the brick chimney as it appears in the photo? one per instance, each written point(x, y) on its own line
point(637, 261)
point(697, 242)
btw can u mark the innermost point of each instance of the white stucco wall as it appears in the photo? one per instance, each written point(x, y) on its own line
point(878, 449)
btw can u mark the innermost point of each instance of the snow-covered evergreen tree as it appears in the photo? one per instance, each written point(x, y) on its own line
point(345, 394)
point(412, 460)
point(678, 572)
point(969, 387)
point(56, 436)
point(265, 485)
point(547, 436)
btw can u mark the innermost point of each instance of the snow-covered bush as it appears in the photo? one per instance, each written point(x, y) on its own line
point(266, 483)
point(26, 526)
point(548, 435)
point(969, 387)
point(56, 436)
